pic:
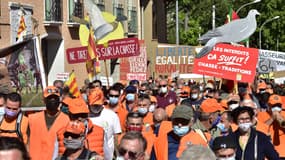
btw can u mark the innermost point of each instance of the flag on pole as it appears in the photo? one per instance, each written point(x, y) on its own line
point(72, 84)
point(91, 45)
point(21, 29)
point(92, 65)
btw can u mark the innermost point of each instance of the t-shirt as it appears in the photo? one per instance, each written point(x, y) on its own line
point(163, 101)
point(110, 122)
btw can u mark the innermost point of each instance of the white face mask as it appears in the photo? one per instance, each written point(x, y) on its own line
point(233, 106)
point(244, 126)
point(163, 89)
point(151, 108)
point(2, 111)
point(274, 109)
point(228, 158)
point(194, 96)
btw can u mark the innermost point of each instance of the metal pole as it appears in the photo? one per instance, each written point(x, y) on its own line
point(213, 17)
point(256, 1)
point(268, 20)
point(177, 24)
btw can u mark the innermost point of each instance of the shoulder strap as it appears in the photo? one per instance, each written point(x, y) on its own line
point(202, 134)
point(1, 118)
point(18, 125)
point(255, 147)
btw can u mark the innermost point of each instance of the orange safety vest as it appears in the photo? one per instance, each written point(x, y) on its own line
point(169, 109)
point(277, 134)
point(17, 128)
point(94, 139)
point(42, 140)
point(161, 144)
point(148, 122)
point(150, 138)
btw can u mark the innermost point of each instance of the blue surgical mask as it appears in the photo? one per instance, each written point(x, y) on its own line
point(222, 127)
point(2, 110)
point(180, 131)
point(142, 110)
point(130, 97)
point(113, 100)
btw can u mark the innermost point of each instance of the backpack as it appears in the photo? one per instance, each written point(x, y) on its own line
point(17, 128)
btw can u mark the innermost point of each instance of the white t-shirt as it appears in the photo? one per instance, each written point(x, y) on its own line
point(109, 121)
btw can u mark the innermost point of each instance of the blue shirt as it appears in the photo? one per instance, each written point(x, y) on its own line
point(173, 145)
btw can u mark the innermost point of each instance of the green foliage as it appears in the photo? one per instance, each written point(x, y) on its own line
point(198, 15)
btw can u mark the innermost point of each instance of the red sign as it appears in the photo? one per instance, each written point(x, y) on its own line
point(228, 62)
point(134, 67)
point(119, 48)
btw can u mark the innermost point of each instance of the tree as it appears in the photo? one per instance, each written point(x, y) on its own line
point(195, 18)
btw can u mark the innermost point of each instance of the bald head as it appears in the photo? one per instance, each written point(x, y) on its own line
point(159, 115)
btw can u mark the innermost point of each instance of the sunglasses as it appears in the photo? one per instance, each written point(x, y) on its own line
point(132, 155)
point(52, 90)
point(111, 95)
point(72, 135)
point(162, 86)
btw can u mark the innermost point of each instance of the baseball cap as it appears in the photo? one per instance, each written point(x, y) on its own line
point(96, 97)
point(131, 89)
point(274, 99)
point(76, 105)
point(182, 111)
point(223, 142)
point(211, 105)
point(134, 81)
point(51, 90)
point(75, 127)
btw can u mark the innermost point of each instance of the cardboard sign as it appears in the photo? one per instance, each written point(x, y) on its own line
point(270, 61)
point(119, 48)
point(228, 62)
point(134, 67)
point(172, 58)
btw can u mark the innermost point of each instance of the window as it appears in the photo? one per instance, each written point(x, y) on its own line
point(75, 9)
point(100, 5)
point(118, 10)
point(132, 20)
point(53, 10)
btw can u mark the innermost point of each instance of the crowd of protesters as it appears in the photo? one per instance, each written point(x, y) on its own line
point(155, 119)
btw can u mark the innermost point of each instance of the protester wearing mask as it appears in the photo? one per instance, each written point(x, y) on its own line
point(130, 98)
point(274, 117)
point(153, 104)
point(225, 123)
point(105, 118)
point(143, 105)
point(252, 144)
point(13, 123)
point(135, 123)
point(78, 112)
point(194, 100)
point(165, 96)
point(225, 148)
point(44, 125)
point(170, 144)
point(115, 105)
point(74, 142)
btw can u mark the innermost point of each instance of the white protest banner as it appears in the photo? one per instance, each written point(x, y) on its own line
point(270, 61)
